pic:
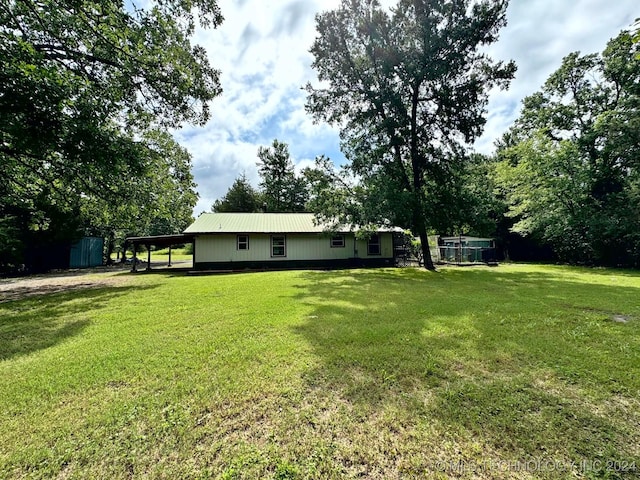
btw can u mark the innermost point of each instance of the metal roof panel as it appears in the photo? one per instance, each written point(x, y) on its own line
point(255, 223)
point(261, 223)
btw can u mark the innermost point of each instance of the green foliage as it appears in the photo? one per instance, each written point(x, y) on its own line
point(335, 196)
point(281, 190)
point(10, 245)
point(159, 201)
point(87, 89)
point(570, 168)
point(482, 210)
point(407, 102)
point(636, 34)
point(241, 197)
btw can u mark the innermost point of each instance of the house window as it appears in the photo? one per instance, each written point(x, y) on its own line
point(337, 241)
point(243, 242)
point(278, 246)
point(373, 245)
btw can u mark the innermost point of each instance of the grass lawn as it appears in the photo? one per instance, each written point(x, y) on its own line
point(510, 372)
point(177, 255)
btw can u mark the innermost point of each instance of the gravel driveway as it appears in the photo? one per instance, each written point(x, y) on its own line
point(23, 287)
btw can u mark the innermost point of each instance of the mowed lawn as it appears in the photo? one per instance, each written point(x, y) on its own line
point(507, 372)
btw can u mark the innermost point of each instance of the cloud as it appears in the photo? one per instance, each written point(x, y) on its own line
point(262, 50)
point(249, 37)
point(538, 36)
point(293, 17)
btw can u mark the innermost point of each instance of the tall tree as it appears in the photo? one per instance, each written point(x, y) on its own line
point(282, 190)
point(335, 193)
point(570, 165)
point(408, 87)
point(159, 201)
point(241, 197)
point(82, 84)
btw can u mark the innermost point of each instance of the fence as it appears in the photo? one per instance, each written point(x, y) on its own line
point(464, 254)
point(458, 250)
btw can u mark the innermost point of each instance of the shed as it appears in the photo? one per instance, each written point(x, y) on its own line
point(232, 241)
point(86, 253)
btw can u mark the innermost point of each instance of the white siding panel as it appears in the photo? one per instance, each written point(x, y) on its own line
point(223, 248)
point(386, 247)
point(316, 247)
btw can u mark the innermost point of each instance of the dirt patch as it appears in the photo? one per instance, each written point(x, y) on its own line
point(19, 288)
point(613, 316)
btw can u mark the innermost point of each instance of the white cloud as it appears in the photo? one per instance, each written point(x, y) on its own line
point(304, 163)
point(539, 34)
point(262, 51)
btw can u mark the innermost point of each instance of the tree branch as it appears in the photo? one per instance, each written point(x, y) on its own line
point(54, 52)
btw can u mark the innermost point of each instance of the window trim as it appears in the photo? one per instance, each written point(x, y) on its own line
point(238, 242)
point(377, 244)
point(284, 246)
point(341, 237)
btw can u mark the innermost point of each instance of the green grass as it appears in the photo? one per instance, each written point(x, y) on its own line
point(176, 254)
point(363, 373)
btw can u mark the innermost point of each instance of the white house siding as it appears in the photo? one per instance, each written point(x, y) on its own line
point(386, 247)
point(223, 248)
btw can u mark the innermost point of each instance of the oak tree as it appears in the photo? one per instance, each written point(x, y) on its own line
point(408, 88)
point(570, 166)
point(82, 85)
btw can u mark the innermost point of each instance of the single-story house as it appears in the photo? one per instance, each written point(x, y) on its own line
point(232, 241)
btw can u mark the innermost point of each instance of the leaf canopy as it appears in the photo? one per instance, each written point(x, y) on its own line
point(88, 90)
point(408, 87)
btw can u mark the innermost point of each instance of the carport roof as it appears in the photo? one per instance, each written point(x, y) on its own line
point(161, 240)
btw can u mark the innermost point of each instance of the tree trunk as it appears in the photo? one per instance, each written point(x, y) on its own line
point(110, 240)
point(421, 229)
point(417, 165)
point(426, 251)
point(123, 259)
point(108, 260)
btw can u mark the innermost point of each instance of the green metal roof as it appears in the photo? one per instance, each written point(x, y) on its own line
point(254, 223)
point(258, 223)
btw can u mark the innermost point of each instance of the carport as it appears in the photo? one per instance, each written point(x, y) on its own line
point(161, 241)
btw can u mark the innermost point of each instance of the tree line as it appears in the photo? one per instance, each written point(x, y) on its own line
point(568, 170)
point(90, 89)
point(564, 183)
point(280, 189)
point(408, 88)
point(88, 92)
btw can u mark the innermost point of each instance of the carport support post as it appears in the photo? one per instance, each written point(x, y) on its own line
point(148, 256)
point(135, 259)
point(169, 256)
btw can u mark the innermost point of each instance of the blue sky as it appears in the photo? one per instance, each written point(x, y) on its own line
point(262, 50)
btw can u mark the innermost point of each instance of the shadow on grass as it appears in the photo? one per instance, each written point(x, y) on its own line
point(518, 359)
point(42, 321)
